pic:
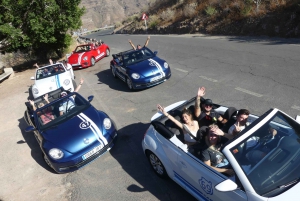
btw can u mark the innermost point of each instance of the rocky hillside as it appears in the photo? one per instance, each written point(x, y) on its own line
point(279, 18)
point(108, 12)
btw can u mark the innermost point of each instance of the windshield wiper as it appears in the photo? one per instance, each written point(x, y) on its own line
point(289, 183)
point(282, 187)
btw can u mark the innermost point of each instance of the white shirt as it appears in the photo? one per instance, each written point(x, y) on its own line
point(251, 141)
point(68, 103)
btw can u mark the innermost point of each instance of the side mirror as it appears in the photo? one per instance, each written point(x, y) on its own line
point(155, 52)
point(90, 98)
point(32, 78)
point(29, 129)
point(227, 185)
point(297, 118)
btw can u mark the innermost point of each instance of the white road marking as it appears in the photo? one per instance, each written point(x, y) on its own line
point(209, 79)
point(296, 107)
point(184, 71)
point(248, 92)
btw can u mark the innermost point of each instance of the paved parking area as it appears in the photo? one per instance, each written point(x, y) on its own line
point(22, 170)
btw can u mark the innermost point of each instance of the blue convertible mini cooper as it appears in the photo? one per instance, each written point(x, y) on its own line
point(140, 68)
point(69, 130)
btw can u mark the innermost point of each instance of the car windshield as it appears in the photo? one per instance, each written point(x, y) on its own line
point(49, 71)
point(82, 48)
point(270, 157)
point(57, 112)
point(137, 56)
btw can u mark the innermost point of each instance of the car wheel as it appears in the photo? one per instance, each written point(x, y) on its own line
point(129, 83)
point(157, 165)
point(113, 72)
point(93, 61)
point(74, 84)
point(47, 161)
point(107, 52)
point(30, 93)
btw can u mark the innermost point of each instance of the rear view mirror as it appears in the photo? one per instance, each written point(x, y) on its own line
point(90, 98)
point(227, 185)
point(29, 129)
point(32, 78)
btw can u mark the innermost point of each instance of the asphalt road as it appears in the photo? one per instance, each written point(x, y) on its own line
point(253, 73)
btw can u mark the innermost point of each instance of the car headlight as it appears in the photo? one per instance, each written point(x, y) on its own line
point(107, 123)
point(85, 58)
point(56, 153)
point(35, 90)
point(67, 82)
point(166, 65)
point(135, 76)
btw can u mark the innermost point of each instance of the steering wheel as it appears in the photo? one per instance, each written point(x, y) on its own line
point(70, 108)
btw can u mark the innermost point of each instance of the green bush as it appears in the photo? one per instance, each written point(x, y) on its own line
point(246, 10)
point(153, 24)
point(210, 10)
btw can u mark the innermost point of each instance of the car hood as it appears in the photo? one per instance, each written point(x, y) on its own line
point(72, 135)
point(76, 58)
point(48, 84)
point(149, 67)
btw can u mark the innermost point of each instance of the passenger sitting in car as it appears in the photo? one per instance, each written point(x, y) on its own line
point(215, 138)
point(190, 126)
point(207, 116)
point(69, 102)
point(46, 115)
point(240, 124)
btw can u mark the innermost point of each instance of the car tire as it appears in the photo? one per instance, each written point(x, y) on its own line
point(93, 61)
point(107, 52)
point(47, 161)
point(30, 93)
point(74, 84)
point(129, 84)
point(157, 165)
point(113, 72)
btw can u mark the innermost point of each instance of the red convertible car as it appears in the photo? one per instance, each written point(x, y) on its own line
point(87, 55)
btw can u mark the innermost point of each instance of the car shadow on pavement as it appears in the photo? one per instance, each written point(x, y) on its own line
point(36, 152)
point(129, 154)
point(106, 77)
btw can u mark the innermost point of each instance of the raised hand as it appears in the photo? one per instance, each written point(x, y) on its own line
point(31, 102)
point(215, 130)
point(81, 80)
point(50, 61)
point(237, 127)
point(161, 109)
point(201, 91)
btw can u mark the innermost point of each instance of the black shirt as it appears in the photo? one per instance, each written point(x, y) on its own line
point(215, 156)
point(206, 120)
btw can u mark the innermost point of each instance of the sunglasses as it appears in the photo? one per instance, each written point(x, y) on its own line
point(208, 105)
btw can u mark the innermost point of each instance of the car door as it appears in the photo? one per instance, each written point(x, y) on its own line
point(121, 69)
point(200, 180)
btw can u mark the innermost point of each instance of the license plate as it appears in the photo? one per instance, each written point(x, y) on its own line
point(90, 153)
point(156, 78)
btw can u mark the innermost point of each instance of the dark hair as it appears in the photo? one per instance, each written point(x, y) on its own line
point(243, 111)
point(186, 111)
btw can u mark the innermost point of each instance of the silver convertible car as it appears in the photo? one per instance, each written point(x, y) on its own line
point(272, 176)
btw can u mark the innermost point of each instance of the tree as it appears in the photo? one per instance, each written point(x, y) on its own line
point(38, 25)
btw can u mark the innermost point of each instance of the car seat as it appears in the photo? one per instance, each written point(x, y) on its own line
point(230, 115)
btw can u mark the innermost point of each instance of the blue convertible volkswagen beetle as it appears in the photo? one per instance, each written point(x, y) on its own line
point(73, 139)
point(140, 68)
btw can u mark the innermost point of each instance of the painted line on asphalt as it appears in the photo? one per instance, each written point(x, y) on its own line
point(249, 92)
point(207, 78)
point(184, 71)
point(296, 107)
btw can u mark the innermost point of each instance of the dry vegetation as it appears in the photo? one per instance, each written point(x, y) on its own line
point(239, 17)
